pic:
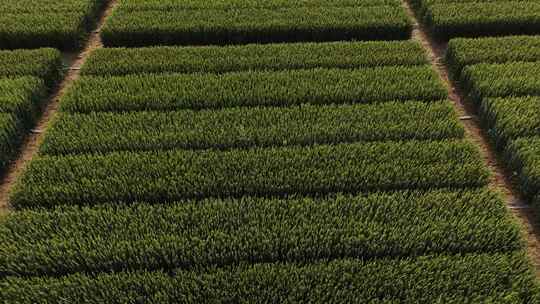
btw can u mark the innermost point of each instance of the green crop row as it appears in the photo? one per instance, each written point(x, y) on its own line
point(239, 4)
point(21, 96)
point(43, 63)
point(139, 28)
point(471, 19)
point(39, 6)
point(509, 118)
point(501, 80)
point(242, 128)
point(46, 27)
point(169, 175)
point(472, 278)
point(10, 137)
point(252, 88)
point(213, 59)
point(19, 100)
point(192, 234)
point(466, 51)
point(524, 157)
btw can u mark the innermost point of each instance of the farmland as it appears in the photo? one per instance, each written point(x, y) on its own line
point(282, 151)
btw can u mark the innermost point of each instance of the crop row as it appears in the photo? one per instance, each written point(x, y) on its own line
point(252, 88)
point(169, 175)
point(43, 63)
point(480, 18)
point(239, 26)
point(45, 23)
point(472, 278)
point(501, 76)
point(193, 234)
point(239, 4)
point(466, 51)
point(215, 59)
point(243, 128)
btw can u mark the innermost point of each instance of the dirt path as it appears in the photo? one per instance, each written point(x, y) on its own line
point(501, 180)
point(33, 140)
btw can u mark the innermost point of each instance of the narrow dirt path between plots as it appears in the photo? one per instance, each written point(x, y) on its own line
point(501, 178)
point(33, 140)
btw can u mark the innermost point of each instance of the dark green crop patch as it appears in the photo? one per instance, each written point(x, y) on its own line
point(524, 157)
point(469, 51)
point(165, 5)
point(472, 278)
point(45, 23)
point(510, 118)
point(10, 137)
point(42, 63)
point(501, 80)
point(171, 175)
point(215, 59)
point(473, 19)
point(239, 26)
point(193, 234)
point(244, 128)
point(253, 88)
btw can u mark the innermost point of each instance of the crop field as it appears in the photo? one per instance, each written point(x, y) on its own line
point(474, 18)
point(281, 151)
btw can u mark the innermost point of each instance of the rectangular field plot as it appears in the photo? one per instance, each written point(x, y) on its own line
point(471, 278)
point(286, 56)
point(244, 128)
point(238, 4)
point(448, 19)
point(127, 27)
point(194, 234)
point(46, 23)
point(170, 175)
point(253, 88)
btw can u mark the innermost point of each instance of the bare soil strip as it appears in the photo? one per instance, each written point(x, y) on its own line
point(33, 140)
point(501, 178)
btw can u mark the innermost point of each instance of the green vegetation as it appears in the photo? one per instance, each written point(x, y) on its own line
point(254, 230)
point(510, 118)
point(46, 23)
point(252, 88)
point(164, 5)
point(524, 156)
point(43, 63)
point(501, 80)
point(170, 175)
point(450, 19)
point(240, 26)
point(259, 126)
point(466, 51)
point(212, 59)
point(472, 278)
point(10, 135)
point(21, 96)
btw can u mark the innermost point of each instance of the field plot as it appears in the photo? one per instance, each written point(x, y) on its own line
point(142, 23)
point(472, 18)
point(25, 76)
point(46, 23)
point(174, 177)
point(501, 76)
